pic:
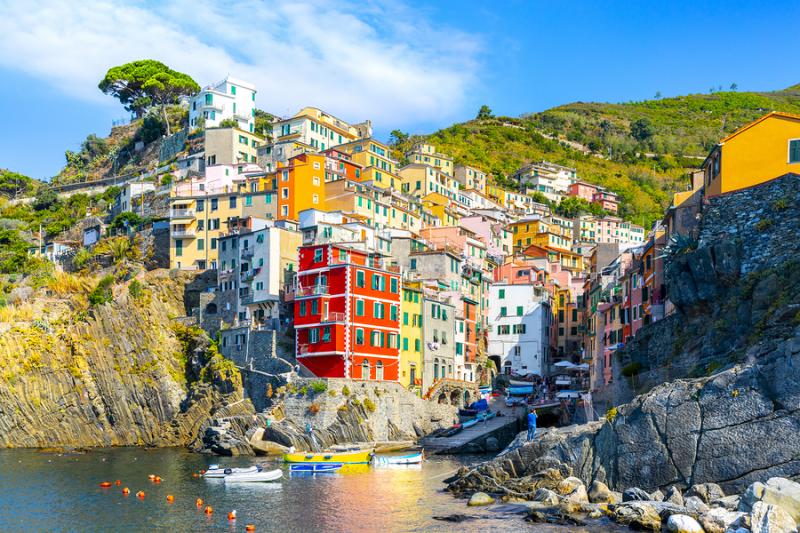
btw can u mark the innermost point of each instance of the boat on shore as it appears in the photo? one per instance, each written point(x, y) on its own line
point(260, 476)
point(410, 459)
point(353, 457)
point(314, 468)
point(215, 471)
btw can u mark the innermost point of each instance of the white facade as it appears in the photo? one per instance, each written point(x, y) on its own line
point(227, 99)
point(519, 324)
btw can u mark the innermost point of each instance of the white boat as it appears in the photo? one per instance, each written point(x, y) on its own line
point(411, 459)
point(214, 471)
point(255, 477)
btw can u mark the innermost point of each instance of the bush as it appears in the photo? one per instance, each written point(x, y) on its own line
point(318, 386)
point(102, 294)
point(369, 405)
point(135, 289)
point(303, 390)
point(764, 224)
point(345, 391)
point(127, 220)
point(229, 123)
point(631, 369)
point(81, 258)
point(331, 393)
point(611, 414)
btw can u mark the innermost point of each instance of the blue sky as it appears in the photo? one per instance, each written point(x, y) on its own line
point(404, 64)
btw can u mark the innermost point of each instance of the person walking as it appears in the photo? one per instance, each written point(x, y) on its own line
point(531, 424)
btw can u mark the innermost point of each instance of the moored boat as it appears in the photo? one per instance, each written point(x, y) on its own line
point(259, 476)
point(410, 459)
point(215, 471)
point(354, 457)
point(315, 468)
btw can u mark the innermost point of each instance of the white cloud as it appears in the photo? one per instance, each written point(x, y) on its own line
point(376, 59)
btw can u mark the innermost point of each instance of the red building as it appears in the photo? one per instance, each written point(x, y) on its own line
point(347, 313)
point(606, 200)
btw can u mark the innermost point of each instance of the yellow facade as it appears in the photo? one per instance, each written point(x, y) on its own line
point(761, 151)
point(411, 334)
point(524, 232)
point(375, 159)
point(421, 180)
point(299, 185)
point(425, 154)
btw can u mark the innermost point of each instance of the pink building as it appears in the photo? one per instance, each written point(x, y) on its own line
point(583, 190)
point(606, 200)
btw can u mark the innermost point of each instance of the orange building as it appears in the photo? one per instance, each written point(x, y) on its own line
point(299, 185)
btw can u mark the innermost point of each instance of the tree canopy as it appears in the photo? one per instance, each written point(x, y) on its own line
point(13, 184)
point(141, 84)
point(484, 112)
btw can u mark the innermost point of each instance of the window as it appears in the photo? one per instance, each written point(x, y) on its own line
point(178, 247)
point(376, 339)
point(794, 151)
point(519, 310)
point(393, 311)
point(232, 202)
point(201, 205)
point(313, 335)
point(315, 199)
point(285, 193)
point(417, 344)
point(214, 204)
point(200, 245)
point(233, 89)
point(519, 329)
point(377, 282)
point(314, 307)
point(413, 264)
point(302, 309)
point(365, 369)
point(318, 255)
point(405, 319)
point(248, 200)
point(394, 285)
point(315, 180)
point(359, 336)
point(502, 311)
point(360, 282)
point(326, 334)
point(285, 210)
point(378, 310)
point(242, 140)
point(209, 99)
point(405, 344)
point(285, 175)
point(359, 307)
point(502, 293)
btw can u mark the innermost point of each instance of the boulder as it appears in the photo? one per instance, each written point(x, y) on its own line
point(568, 485)
point(480, 498)
point(545, 496)
point(706, 492)
point(680, 523)
point(695, 505)
point(491, 445)
point(657, 496)
point(635, 494)
point(578, 495)
point(768, 518)
point(673, 495)
point(638, 515)
point(599, 493)
point(777, 491)
point(731, 503)
point(718, 520)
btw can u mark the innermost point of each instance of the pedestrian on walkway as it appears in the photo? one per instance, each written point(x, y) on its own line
point(531, 424)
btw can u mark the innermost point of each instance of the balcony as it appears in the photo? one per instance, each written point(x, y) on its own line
point(182, 233)
point(187, 214)
point(316, 290)
point(334, 317)
point(247, 252)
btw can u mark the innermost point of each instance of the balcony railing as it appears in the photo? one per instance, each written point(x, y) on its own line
point(334, 317)
point(316, 290)
point(181, 213)
point(247, 252)
point(182, 233)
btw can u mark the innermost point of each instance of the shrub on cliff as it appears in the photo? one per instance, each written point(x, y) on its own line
point(369, 405)
point(102, 294)
point(318, 386)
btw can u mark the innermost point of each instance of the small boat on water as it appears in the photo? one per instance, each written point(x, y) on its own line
point(354, 457)
point(260, 476)
point(410, 459)
point(520, 391)
point(214, 471)
point(314, 468)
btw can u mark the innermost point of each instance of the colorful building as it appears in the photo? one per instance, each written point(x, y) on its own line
point(347, 313)
point(471, 178)
point(411, 338)
point(300, 185)
point(426, 154)
point(229, 99)
point(374, 157)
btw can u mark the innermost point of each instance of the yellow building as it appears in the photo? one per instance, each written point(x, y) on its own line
point(420, 180)
point(425, 154)
point(411, 334)
point(760, 151)
point(375, 159)
point(525, 231)
point(229, 146)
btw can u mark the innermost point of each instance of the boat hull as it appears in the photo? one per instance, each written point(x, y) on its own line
point(255, 477)
point(411, 459)
point(217, 473)
point(315, 468)
point(346, 458)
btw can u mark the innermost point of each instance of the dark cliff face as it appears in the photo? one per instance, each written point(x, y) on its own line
point(116, 376)
point(719, 389)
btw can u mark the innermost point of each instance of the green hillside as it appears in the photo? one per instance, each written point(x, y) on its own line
point(641, 150)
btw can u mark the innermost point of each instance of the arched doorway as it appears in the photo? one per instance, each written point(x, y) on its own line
point(365, 369)
point(498, 365)
point(379, 370)
point(467, 398)
point(435, 369)
point(455, 397)
point(442, 398)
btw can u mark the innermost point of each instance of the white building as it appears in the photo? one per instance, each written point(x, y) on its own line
point(547, 178)
point(227, 99)
point(519, 326)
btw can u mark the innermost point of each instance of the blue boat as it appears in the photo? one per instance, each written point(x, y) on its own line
point(520, 391)
point(315, 468)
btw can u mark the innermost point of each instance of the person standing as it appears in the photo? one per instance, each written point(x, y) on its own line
point(531, 424)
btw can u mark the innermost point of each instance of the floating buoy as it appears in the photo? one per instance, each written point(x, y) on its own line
point(118, 483)
point(195, 474)
point(199, 502)
point(249, 527)
point(157, 480)
point(202, 472)
point(170, 498)
point(232, 515)
point(209, 510)
point(140, 494)
point(126, 491)
point(151, 477)
point(105, 484)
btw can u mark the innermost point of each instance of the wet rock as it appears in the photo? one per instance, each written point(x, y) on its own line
point(705, 491)
point(696, 505)
point(673, 495)
point(600, 493)
point(768, 518)
point(492, 445)
point(573, 489)
point(454, 518)
point(777, 491)
point(718, 520)
point(635, 494)
point(480, 498)
point(546, 496)
point(680, 523)
point(731, 503)
point(639, 515)
point(657, 496)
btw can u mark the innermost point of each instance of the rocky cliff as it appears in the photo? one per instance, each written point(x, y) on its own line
point(110, 374)
point(729, 412)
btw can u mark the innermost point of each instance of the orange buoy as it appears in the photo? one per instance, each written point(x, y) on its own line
point(199, 502)
point(105, 484)
point(232, 515)
point(157, 480)
point(126, 491)
point(202, 472)
point(170, 498)
point(195, 474)
point(140, 494)
point(209, 510)
point(249, 527)
point(118, 483)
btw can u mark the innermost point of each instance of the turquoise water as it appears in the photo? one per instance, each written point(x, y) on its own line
point(42, 491)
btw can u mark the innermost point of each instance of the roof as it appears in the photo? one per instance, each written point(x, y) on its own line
point(759, 121)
